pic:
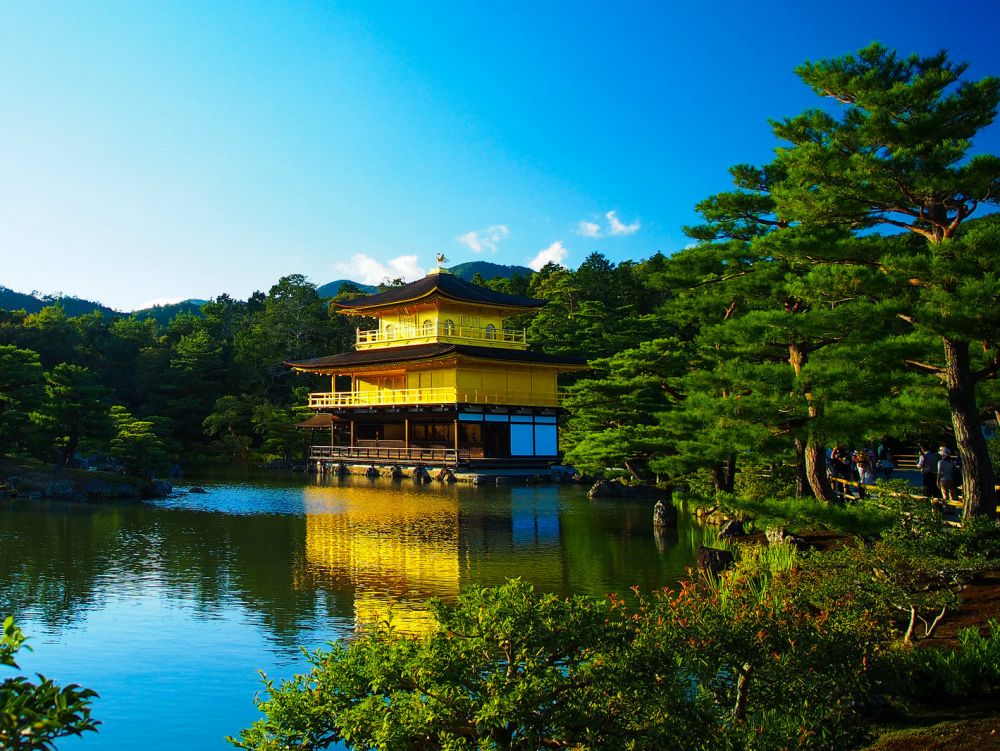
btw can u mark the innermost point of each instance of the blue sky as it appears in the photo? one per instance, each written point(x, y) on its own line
point(160, 151)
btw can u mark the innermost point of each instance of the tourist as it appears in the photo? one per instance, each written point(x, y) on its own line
point(866, 473)
point(838, 462)
point(886, 463)
point(927, 464)
point(946, 476)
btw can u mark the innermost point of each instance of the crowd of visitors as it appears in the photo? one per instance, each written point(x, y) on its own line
point(939, 470)
point(861, 465)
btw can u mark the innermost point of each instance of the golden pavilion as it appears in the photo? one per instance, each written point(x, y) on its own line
point(442, 382)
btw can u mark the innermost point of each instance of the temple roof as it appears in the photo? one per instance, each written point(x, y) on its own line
point(419, 352)
point(444, 284)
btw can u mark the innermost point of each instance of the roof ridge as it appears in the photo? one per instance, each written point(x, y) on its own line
point(447, 285)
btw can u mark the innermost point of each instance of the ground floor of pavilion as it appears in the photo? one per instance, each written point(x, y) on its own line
point(473, 435)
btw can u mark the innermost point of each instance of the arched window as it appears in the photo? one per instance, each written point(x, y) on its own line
point(491, 331)
point(428, 327)
point(390, 331)
point(449, 327)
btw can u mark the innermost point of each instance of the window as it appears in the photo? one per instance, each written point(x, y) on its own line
point(390, 331)
point(428, 327)
point(491, 331)
point(449, 327)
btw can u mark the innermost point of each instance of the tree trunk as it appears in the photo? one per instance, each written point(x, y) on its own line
point(69, 450)
point(801, 481)
point(815, 453)
point(636, 475)
point(724, 474)
point(978, 479)
point(819, 483)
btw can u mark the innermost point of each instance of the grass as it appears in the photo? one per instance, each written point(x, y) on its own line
point(966, 727)
point(808, 513)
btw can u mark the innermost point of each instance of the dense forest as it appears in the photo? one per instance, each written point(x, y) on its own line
point(841, 294)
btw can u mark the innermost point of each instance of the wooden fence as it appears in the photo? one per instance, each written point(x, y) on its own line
point(850, 490)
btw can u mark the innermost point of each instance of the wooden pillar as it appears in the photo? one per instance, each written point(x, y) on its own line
point(456, 434)
point(352, 432)
point(406, 432)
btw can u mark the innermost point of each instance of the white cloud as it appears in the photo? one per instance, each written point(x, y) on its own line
point(556, 253)
point(615, 227)
point(367, 270)
point(484, 239)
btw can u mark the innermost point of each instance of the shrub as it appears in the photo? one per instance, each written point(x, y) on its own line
point(969, 671)
point(509, 669)
point(756, 482)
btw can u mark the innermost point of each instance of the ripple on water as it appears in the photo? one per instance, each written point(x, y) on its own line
point(169, 608)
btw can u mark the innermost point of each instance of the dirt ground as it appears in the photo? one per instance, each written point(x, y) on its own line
point(980, 602)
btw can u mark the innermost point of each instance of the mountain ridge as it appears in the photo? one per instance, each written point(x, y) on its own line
point(34, 302)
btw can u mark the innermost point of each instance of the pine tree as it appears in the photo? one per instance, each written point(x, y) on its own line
point(21, 392)
point(896, 157)
point(75, 408)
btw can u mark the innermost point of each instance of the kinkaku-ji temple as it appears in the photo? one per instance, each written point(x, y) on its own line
point(442, 382)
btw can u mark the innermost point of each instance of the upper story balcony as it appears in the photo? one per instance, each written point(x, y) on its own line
point(434, 395)
point(448, 331)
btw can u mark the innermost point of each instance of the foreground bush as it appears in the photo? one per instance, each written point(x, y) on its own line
point(34, 715)
point(509, 669)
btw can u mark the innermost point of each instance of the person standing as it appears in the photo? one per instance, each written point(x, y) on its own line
point(927, 464)
point(946, 476)
point(886, 463)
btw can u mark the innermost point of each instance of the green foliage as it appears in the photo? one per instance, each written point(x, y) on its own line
point(170, 375)
point(893, 151)
point(21, 393)
point(758, 482)
point(136, 443)
point(593, 312)
point(966, 672)
point(699, 484)
point(505, 669)
point(34, 715)
point(808, 513)
point(75, 409)
point(276, 428)
point(509, 669)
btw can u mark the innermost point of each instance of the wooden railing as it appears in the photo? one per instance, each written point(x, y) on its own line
point(382, 454)
point(510, 338)
point(435, 395)
point(849, 490)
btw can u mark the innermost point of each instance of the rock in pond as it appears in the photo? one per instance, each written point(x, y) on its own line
point(664, 515)
point(732, 528)
point(160, 489)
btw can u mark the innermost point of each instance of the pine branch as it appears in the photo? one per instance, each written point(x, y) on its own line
point(927, 368)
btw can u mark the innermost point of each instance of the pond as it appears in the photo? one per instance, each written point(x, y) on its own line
point(168, 609)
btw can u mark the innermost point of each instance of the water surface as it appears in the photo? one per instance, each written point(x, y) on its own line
point(169, 609)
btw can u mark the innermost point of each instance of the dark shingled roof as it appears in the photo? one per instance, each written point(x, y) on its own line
point(444, 284)
point(429, 351)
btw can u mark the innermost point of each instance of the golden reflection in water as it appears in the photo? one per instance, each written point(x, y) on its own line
point(394, 547)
